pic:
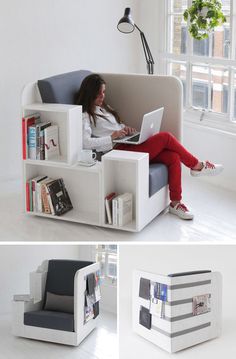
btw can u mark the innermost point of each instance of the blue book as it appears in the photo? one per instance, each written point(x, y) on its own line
point(32, 142)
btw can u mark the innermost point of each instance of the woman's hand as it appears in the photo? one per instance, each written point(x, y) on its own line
point(129, 130)
point(118, 134)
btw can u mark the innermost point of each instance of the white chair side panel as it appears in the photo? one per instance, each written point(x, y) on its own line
point(82, 329)
point(180, 329)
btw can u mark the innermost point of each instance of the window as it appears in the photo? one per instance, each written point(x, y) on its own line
point(207, 67)
point(107, 256)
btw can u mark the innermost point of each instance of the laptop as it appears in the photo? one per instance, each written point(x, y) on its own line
point(151, 125)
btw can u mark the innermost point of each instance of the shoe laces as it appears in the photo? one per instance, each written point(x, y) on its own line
point(209, 165)
point(182, 207)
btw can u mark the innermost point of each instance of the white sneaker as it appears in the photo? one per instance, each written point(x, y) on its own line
point(209, 169)
point(181, 211)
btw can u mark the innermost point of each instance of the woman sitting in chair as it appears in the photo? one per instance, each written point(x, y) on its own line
point(102, 125)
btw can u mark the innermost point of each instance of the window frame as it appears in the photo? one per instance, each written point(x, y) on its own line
point(205, 117)
point(103, 249)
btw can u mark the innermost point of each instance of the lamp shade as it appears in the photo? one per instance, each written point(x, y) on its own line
point(126, 23)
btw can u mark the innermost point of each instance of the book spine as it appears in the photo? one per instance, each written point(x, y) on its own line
point(114, 212)
point(33, 195)
point(46, 207)
point(27, 196)
point(39, 198)
point(108, 212)
point(24, 139)
point(32, 142)
point(38, 142)
point(120, 212)
point(52, 211)
point(42, 142)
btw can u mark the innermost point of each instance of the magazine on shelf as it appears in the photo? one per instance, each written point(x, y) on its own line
point(51, 144)
point(59, 197)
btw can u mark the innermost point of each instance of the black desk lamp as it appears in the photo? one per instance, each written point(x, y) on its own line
point(127, 25)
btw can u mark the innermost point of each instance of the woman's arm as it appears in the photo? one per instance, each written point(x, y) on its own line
point(100, 144)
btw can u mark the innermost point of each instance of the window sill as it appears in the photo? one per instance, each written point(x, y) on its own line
point(210, 122)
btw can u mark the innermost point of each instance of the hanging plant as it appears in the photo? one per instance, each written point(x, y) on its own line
point(204, 17)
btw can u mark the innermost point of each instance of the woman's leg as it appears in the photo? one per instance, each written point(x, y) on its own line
point(159, 142)
point(172, 161)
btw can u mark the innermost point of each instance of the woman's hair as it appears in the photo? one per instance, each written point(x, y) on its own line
point(88, 93)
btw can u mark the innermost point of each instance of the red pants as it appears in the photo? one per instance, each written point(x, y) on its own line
point(164, 148)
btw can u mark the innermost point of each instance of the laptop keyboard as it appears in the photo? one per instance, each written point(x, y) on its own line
point(134, 138)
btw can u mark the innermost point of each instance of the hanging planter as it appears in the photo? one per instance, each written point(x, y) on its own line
point(204, 17)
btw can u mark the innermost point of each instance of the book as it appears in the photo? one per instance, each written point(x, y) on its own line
point(45, 196)
point(40, 151)
point(32, 142)
point(108, 206)
point(27, 196)
point(35, 191)
point(124, 208)
point(115, 211)
point(27, 121)
point(59, 197)
point(51, 144)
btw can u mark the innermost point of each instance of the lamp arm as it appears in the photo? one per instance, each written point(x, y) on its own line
point(147, 52)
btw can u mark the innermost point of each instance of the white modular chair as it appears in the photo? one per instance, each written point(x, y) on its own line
point(183, 320)
point(62, 320)
point(132, 95)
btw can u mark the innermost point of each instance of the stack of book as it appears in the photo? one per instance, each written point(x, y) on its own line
point(39, 139)
point(119, 208)
point(47, 195)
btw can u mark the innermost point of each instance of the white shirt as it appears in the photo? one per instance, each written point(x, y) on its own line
point(99, 137)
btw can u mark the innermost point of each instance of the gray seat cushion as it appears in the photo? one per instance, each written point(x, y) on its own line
point(158, 177)
point(62, 88)
point(50, 319)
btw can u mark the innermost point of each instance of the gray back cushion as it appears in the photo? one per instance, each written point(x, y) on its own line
point(60, 276)
point(62, 88)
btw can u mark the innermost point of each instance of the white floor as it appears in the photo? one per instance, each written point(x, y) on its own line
point(214, 209)
point(130, 342)
point(100, 344)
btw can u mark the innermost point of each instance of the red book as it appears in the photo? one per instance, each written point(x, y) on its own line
point(26, 122)
point(27, 197)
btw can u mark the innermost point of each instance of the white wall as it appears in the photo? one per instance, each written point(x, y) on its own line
point(43, 38)
point(215, 146)
point(17, 261)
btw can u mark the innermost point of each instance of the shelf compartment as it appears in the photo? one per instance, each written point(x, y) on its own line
point(82, 186)
point(68, 118)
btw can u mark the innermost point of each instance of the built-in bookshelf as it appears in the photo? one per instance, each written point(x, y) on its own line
point(87, 186)
point(119, 171)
